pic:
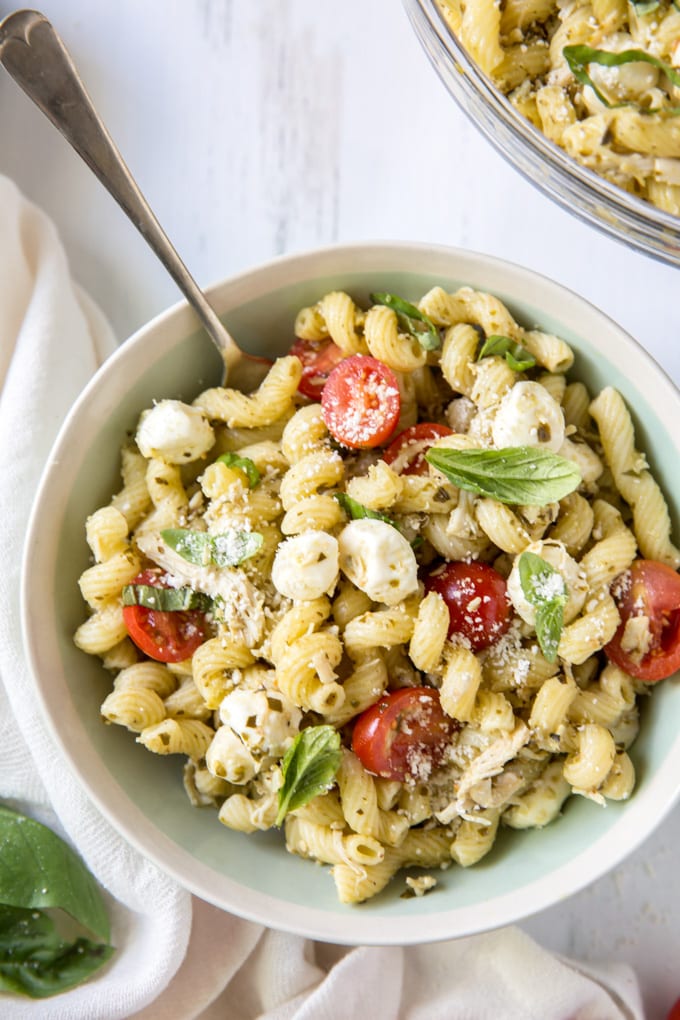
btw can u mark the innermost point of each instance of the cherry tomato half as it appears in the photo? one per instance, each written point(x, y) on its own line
point(405, 734)
point(406, 453)
point(318, 358)
point(651, 589)
point(476, 598)
point(361, 402)
point(164, 636)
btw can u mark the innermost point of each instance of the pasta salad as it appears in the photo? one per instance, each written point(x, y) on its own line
point(600, 78)
point(408, 591)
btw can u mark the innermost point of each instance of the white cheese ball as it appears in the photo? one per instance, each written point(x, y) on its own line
point(378, 560)
point(228, 758)
point(528, 415)
point(174, 431)
point(266, 721)
point(306, 566)
point(556, 555)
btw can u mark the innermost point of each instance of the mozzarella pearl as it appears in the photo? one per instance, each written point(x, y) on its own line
point(378, 560)
point(528, 416)
point(556, 555)
point(174, 431)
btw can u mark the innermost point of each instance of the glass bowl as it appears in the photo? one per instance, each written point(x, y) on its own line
point(595, 200)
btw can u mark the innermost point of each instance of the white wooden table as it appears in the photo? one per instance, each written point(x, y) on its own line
point(257, 127)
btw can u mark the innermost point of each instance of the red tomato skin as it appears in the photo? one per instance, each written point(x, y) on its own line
point(163, 636)
point(459, 584)
point(319, 358)
point(675, 1011)
point(420, 437)
point(405, 734)
point(654, 591)
point(361, 402)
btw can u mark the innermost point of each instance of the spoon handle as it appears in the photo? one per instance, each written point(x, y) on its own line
point(36, 58)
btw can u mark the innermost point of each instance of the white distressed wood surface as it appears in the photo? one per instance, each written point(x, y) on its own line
point(257, 127)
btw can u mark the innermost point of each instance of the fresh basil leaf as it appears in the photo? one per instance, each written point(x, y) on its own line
point(165, 600)
point(245, 464)
point(38, 870)
point(520, 475)
point(545, 589)
point(308, 767)
point(518, 358)
point(411, 320)
point(225, 550)
point(356, 511)
point(580, 57)
point(35, 961)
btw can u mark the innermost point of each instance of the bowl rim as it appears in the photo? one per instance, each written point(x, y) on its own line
point(607, 199)
point(631, 828)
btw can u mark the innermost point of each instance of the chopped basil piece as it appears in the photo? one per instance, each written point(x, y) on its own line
point(545, 589)
point(521, 475)
point(579, 57)
point(411, 320)
point(245, 464)
point(225, 550)
point(308, 767)
point(166, 600)
point(356, 511)
point(517, 357)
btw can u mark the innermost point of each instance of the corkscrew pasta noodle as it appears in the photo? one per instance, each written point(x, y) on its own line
point(529, 729)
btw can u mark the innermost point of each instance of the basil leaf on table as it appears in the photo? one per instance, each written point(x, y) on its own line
point(165, 600)
point(518, 358)
point(309, 766)
point(545, 589)
point(579, 57)
point(245, 464)
point(225, 550)
point(521, 475)
point(35, 961)
point(411, 319)
point(357, 511)
point(38, 870)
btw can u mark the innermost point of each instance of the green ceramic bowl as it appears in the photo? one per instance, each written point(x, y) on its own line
point(142, 794)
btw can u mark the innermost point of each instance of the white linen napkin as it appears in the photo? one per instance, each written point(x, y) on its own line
point(177, 957)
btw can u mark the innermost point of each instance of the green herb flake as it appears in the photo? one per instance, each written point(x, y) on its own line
point(308, 767)
point(520, 475)
point(545, 589)
point(40, 871)
point(245, 464)
point(225, 550)
point(357, 511)
point(166, 600)
point(411, 320)
point(518, 358)
point(580, 57)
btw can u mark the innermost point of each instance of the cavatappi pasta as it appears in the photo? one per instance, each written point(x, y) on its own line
point(309, 575)
point(619, 120)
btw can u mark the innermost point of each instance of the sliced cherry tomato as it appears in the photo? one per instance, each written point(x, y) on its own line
point(318, 358)
point(405, 734)
point(476, 598)
point(651, 590)
point(361, 402)
point(406, 453)
point(164, 636)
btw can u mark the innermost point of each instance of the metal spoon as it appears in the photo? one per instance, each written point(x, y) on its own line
point(38, 61)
